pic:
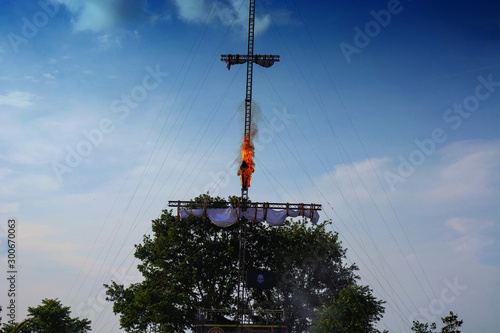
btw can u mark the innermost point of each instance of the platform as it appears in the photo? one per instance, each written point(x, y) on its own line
point(250, 321)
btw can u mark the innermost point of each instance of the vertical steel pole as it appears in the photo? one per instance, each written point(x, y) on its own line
point(248, 94)
point(244, 190)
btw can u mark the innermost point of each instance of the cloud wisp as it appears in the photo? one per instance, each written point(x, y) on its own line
point(98, 15)
point(234, 12)
point(18, 99)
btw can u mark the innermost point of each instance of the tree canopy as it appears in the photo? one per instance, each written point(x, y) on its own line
point(354, 310)
point(49, 317)
point(451, 325)
point(13, 328)
point(193, 264)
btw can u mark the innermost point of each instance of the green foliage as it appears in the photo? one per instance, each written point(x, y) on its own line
point(50, 317)
point(419, 327)
point(354, 310)
point(193, 264)
point(186, 265)
point(451, 325)
point(307, 262)
point(15, 328)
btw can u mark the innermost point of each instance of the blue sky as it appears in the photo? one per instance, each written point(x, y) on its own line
point(385, 112)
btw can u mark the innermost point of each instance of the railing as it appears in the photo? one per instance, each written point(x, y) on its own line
point(246, 317)
point(259, 205)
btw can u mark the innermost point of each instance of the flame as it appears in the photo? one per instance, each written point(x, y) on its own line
point(247, 163)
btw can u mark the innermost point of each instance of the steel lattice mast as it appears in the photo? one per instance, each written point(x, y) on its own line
point(250, 59)
point(265, 61)
point(248, 91)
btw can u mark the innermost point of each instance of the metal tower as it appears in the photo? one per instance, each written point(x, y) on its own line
point(250, 59)
point(265, 61)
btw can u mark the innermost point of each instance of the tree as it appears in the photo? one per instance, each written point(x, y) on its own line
point(193, 264)
point(52, 317)
point(419, 327)
point(451, 325)
point(10, 328)
point(13, 328)
point(308, 268)
point(354, 310)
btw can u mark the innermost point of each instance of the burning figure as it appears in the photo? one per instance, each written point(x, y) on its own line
point(247, 163)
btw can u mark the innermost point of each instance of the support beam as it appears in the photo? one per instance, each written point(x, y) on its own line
point(259, 205)
point(264, 60)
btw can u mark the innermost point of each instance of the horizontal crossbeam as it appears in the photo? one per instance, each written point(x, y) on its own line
point(264, 60)
point(244, 57)
point(226, 204)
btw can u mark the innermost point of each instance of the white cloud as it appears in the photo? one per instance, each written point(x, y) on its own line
point(228, 13)
point(472, 171)
point(452, 198)
point(464, 225)
point(99, 15)
point(92, 15)
point(193, 10)
point(49, 76)
point(474, 235)
point(449, 210)
point(107, 41)
point(20, 99)
point(40, 238)
point(472, 243)
point(359, 179)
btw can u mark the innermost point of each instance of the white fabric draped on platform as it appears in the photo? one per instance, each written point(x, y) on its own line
point(225, 217)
